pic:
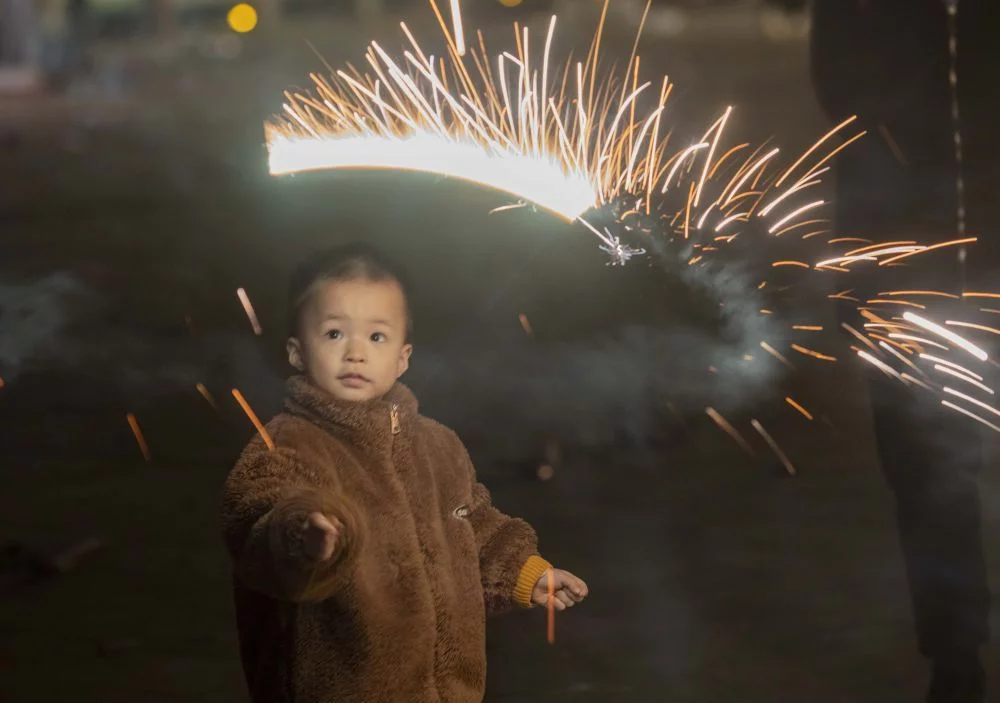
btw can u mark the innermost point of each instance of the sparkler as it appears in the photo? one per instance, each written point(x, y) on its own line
point(596, 150)
point(550, 604)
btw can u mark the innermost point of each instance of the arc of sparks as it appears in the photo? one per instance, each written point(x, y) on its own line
point(566, 148)
point(574, 145)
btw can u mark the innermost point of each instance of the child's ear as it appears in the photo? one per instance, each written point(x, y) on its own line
point(294, 348)
point(404, 359)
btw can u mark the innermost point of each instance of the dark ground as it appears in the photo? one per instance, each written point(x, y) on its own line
point(713, 578)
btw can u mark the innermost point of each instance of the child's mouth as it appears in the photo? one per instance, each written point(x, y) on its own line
point(353, 380)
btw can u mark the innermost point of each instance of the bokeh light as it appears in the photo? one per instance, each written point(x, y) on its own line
point(242, 18)
point(510, 3)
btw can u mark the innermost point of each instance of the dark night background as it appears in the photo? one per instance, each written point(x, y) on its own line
point(136, 202)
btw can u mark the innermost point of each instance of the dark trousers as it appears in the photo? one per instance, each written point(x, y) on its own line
point(930, 455)
point(931, 458)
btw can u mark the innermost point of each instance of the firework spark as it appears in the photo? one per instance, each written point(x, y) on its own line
point(525, 324)
point(728, 428)
point(596, 149)
point(570, 146)
point(805, 413)
point(251, 314)
point(206, 394)
point(261, 430)
point(786, 462)
point(133, 423)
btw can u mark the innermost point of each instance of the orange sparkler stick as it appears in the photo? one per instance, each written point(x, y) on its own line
point(143, 447)
point(261, 430)
point(242, 295)
point(551, 604)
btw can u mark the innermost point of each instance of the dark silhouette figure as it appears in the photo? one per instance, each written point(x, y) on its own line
point(887, 61)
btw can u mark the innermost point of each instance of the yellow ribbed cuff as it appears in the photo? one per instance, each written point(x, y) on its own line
point(532, 570)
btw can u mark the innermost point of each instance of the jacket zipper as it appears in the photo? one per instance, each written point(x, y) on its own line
point(394, 418)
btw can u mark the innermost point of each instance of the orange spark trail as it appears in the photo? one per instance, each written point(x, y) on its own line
point(140, 440)
point(261, 430)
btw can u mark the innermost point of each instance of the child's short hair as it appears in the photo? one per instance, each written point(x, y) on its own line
point(349, 262)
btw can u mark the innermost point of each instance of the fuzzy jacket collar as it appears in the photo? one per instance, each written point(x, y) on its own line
point(367, 422)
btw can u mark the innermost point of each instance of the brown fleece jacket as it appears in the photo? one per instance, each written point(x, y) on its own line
point(398, 614)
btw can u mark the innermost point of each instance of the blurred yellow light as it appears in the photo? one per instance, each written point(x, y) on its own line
point(242, 18)
point(510, 3)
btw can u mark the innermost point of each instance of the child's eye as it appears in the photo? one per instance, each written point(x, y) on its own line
point(378, 337)
point(334, 334)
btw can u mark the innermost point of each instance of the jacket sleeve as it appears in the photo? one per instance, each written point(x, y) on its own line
point(508, 549)
point(266, 499)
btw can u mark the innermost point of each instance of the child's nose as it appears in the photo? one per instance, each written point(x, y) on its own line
point(355, 351)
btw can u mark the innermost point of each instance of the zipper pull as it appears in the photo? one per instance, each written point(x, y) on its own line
point(394, 418)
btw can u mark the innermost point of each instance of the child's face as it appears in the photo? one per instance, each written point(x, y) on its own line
point(352, 337)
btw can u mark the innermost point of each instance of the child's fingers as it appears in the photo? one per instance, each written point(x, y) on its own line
point(328, 523)
point(578, 587)
point(574, 586)
point(557, 602)
point(563, 597)
point(322, 533)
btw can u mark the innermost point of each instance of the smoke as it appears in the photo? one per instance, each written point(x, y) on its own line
point(700, 348)
point(33, 318)
point(691, 339)
point(57, 325)
point(621, 382)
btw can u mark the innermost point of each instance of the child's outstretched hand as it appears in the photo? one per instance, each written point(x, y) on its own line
point(568, 589)
point(320, 535)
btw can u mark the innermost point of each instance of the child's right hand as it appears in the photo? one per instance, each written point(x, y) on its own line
point(320, 535)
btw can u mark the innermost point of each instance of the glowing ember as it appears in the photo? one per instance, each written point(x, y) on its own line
point(139, 438)
point(251, 315)
point(261, 430)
